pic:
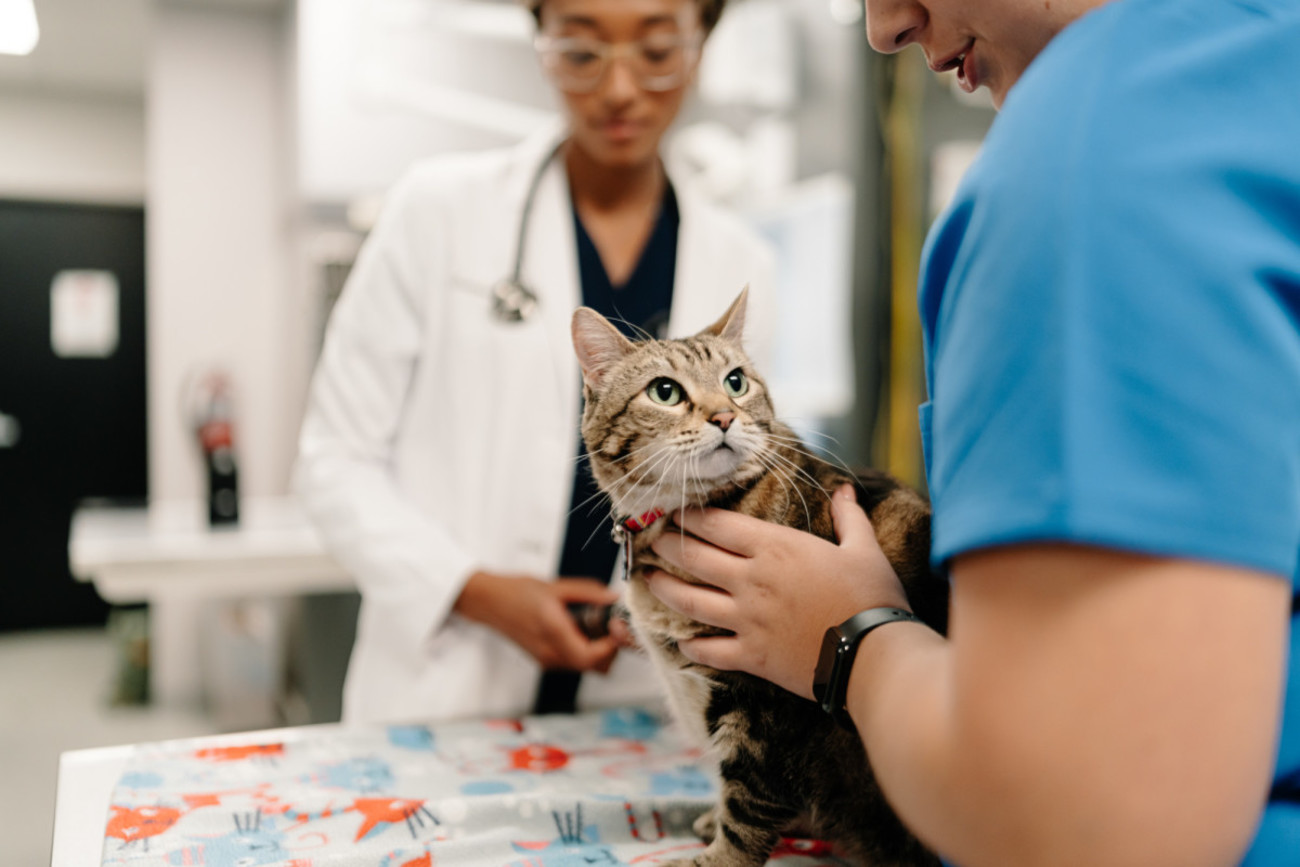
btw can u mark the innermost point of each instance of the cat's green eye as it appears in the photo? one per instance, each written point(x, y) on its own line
point(664, 391)
point(736, 383)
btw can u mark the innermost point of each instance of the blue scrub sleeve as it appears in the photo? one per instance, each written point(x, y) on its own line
point(1114, 329)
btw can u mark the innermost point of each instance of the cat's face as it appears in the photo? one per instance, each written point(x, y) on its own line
point(668, 422)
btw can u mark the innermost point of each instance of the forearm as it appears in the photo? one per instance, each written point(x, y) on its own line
point(974, 792)
point(899, 696)
point(482, 596)
point(1083, 733)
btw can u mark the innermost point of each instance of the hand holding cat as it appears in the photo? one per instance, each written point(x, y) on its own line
point(531, 613)
point(778, 589)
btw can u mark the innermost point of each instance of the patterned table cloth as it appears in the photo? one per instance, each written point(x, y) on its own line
point(614, 787)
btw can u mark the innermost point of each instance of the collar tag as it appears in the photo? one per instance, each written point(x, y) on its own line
point(625, 528)
point(627, 557)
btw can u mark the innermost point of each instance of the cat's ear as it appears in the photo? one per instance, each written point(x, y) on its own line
point(598, 344)
point(732, 324)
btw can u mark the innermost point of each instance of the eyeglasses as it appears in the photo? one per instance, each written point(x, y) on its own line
point(578, 64)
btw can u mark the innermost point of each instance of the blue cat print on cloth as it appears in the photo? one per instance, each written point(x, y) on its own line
point(605, 788)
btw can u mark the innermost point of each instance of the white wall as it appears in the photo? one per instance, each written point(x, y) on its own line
point(384, 83)
point(72, 147)
point(220, 228)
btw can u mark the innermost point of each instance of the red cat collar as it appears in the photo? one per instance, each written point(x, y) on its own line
point(625, 528)
point(636, 525)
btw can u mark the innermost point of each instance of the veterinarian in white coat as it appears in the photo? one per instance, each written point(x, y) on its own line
point(439, 439)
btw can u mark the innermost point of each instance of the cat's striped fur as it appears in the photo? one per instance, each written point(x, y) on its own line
point(784, 763)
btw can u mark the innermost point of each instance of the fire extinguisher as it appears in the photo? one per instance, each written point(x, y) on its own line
point(215, 425)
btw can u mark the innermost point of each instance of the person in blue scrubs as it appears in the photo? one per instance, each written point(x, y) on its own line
point(1111, 311)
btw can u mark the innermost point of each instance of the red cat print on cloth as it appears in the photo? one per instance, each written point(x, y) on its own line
point(239, 754)
point(390, 811)
point(544, 758)
point(131, 825)
point(538, 758)
point(392, 859)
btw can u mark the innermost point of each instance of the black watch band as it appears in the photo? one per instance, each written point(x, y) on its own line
point(839, 647)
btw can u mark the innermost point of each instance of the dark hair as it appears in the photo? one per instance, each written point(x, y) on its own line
point(710, 11)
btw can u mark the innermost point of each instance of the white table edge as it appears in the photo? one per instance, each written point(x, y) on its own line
point(85, 790)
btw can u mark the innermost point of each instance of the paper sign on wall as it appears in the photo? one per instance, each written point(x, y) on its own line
point(84, 318)
point(10, 431)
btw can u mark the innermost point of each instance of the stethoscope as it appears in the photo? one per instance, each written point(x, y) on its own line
point(512, 300)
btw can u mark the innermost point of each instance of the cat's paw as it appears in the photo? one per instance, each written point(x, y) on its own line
point(746, 847)
point(713, 856)
point(706, 826)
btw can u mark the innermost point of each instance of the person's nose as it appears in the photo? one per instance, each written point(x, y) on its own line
point(620, 85)
point(892, 25)
point(722, 419)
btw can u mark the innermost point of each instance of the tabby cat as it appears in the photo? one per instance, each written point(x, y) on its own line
point(672, 423)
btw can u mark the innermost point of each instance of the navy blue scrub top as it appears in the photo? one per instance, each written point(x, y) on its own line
point(638, 307)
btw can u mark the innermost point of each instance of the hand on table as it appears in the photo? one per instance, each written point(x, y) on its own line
point(777, 589)
point(531, 613)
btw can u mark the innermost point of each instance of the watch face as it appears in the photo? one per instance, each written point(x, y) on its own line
point(835, 662)
point(826, 662)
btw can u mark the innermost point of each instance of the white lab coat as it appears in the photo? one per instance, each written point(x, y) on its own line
point(439, 441)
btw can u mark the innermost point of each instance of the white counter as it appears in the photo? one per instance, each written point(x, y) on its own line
point(135, 554)
point(168, 556)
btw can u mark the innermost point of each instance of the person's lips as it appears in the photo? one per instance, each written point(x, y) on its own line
point(964, 63)
point(968, 72)
point(621, 129)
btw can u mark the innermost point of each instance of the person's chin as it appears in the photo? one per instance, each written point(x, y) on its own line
point(625, 153)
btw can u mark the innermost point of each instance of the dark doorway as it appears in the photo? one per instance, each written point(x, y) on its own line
point(72, 418)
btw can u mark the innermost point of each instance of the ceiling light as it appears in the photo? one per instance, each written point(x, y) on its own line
point(19, 31)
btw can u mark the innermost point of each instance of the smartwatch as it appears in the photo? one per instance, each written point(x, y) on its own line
point(839, 647)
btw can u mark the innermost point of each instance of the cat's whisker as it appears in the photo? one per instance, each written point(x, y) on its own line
point(795, 470)
point(634, 453)
point(683, 506)
point(788, 483)
point(797, 445)
point(789, 472)
point(802, 446)
point(637, 452)
point(673, 459)
point(608, 517)
point(596, 497)
point(776, 453)
point(638, 476)
point(595, 530)
point(602, 495)
point(837, 463)
point(665, 459)
point(802, 472)
point(640, 332)
point(694, 465)
point(811, 432)
point(587, 454)
point(794, 486)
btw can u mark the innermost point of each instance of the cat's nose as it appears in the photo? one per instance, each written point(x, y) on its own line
point(722, 419)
